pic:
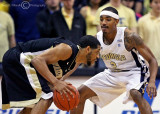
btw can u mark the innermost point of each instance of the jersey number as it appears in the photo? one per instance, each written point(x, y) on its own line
point(113, 64)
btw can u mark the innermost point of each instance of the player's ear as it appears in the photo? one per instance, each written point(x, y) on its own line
point(88, 49)
point(116, 21)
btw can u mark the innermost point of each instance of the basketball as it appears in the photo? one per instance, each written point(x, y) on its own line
point(64, 104)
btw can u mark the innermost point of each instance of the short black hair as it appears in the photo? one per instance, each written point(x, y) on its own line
point(88, 40)
point(151, 1)
point(111, 9)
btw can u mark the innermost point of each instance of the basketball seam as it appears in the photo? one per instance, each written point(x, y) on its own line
point(59, 102)
point(69, 105)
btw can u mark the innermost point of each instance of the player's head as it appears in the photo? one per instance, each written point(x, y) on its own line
point(91, 48)
point(155, 5)
point(109, 19)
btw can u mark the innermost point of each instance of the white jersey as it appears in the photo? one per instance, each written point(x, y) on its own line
point(115, 55)
point(126, 71)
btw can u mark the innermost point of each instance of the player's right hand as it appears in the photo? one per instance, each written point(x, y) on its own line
point(64, 88)
point(151, 90)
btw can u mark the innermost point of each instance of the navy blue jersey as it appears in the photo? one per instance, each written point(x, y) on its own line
point(31, 48)
point(22, 84)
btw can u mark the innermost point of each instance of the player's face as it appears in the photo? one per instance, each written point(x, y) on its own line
point(92, 56)
point(108, 24)
point(155, 5)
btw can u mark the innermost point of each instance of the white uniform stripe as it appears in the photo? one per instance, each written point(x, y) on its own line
point(25, 59)
point(27, 68)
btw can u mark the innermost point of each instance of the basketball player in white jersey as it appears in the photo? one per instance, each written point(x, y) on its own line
point(126, 71)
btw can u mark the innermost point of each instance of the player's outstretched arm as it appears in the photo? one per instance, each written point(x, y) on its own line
point(132, 40)
point(51, 56)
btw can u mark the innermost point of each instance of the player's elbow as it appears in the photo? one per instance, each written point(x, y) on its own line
point(153, 61)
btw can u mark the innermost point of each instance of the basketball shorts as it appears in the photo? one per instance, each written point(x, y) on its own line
point(22, 86)
point(109, 85)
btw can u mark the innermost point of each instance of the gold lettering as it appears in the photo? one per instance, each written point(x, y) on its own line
point(123, 58)
point(58, 70)
point(113, 56)
point(117, 57)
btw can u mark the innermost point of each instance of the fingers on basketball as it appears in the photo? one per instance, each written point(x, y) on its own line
point(64, 103)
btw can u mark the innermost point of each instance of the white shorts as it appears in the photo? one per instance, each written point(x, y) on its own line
point(110, 85)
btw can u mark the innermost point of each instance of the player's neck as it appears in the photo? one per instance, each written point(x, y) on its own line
point(80, 56)
point(108, 38)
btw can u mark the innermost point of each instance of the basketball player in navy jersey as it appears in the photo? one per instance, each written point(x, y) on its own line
point(122, 52)
point(32, 70)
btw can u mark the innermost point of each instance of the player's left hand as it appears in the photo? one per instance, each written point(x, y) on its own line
point(151, 90)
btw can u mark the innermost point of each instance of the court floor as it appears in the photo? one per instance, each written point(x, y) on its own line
point(109, 109)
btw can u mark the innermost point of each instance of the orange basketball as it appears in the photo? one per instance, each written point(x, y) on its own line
point(64, 104)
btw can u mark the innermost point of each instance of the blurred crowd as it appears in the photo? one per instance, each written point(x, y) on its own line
point(24, 20)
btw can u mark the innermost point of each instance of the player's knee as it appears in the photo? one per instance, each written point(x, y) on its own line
point(136, 95)
point(47, 102)
point(83, 93)
point(50, 101)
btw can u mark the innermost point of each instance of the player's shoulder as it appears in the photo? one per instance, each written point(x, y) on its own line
point(127, 31)
point(99, 33)
point(132, 36)
point(64, 49)
point(132, 40)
